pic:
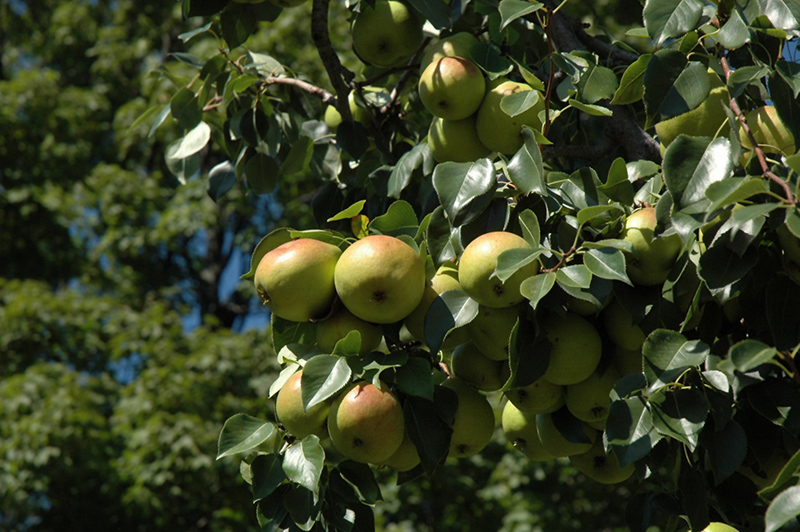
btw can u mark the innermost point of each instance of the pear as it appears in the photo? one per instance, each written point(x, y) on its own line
point(499, 131)
point(589, 400)
point(600, 466)
point(471, 365)
point(452, 88)
point(340, 324)
point(575, 348)
point(491, 329)
point(296, 279)
point(387, 34)
point(292, 414)
point(520, 429)
point(539, 397)
point(380, 279)
point(474, 420)
point(366, 423)
point(653, 256)
point(456, 140)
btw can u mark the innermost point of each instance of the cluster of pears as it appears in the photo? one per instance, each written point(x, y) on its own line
point(469, 122)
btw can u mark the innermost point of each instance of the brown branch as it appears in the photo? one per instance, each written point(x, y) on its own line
point(552, 75)
point(563, 261)
point(322, 94)
point(336, 72)
point(762, 159)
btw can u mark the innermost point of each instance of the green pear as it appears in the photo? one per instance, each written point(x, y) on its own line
point(521, 431)
point(716, 526)
point(333, 118)
point(474, 420)
point(627, 361)
point(452, 88)
point(405, 458)
point(539, 397)
point(653, 256)
point(338, 325)
point(620, 328)
point(491, 329)
point(293, 416)
point(472, 366)
point(589, 400)
point(380, 279)
point(707, 120)
point(296, 279)
point(575, 348)
point(499, 131)
point(456, 140)
point(477, 265)
point(445, 278)
point(387, 34)
point(366, 423)
point(461, 44)
point(770, 132)
point(556, 444)
point(600, 466)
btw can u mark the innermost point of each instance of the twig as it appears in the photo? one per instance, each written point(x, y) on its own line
point(336, 72)
point(762, 159)
point(325, 96)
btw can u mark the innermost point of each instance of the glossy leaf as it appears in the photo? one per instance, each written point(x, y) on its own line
point(673, 85)
point(630, 430)
point(783, 508)
point(511, 260)
point(692, 165)
point(241, 433)
point(462, 188)
point(536, 287)
point(608, 263)
point(323, 377)
point(304, 461)
point(680, 414)
point(665, 19)
point(631, 86)
point(668, 354)
point(451, 309)
point(399, 219)
point(511, 10)
point(268, 475)
point(525, 169)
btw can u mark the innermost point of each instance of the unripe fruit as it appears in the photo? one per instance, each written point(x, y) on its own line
point(405, 458)
point(539, 397)
point(293, 416)
point(452, 88)
point(456, 140)
point(589, 399)
point(600, 466)
point(499, 131)
point(366, 424)
point(387, 34)
point(653, 256)
point(556, 444)
point(620, 327)
point(474, 421)
point(521, 431)
point(295, 280)
point(575, 348)
point(340, 324)
point(477, 265)
point(482, 373)
point(380, 279)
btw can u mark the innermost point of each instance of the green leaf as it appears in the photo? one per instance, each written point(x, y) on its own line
point(782, 302)
point(237, 24)
point(415, 378)
point(352, 137)
point(631, 86)
point(680, 414)
point(323, 377)
point(525, 169)
point(673, 85)
point(529, 225)
point(608, 263)
point(353, 210)
point(734, 190)
point(597, 83)
point(298, 158)
point(783, 508)
point(400, 219)
point(361, 478)
point(511, 10)
point(264, 65)
point(665, 19)
point(727, 449)
point(262, 173)
point(790, 72)
point(350, 345)
point(400, 177)
point(630, 430)
point(304, 461)
point(194, 141)
point(437, 13)
point(185, 108)
point(692, 165)
point(536, 287)
point(241, 433)
point(451, 309)
point(576, 276)
point(720, 266)
point(590, 213)
point(784, 14)
point(735, 32)
point(519, 102)
point(668, 354)
point(787, 475)
point(742, 77)
point(428, 425)
point(274, 239)
point(268, 475)
point(462, 188)
point(511, 260)
point(221, 179)
point(749, 354)
point(594, 110)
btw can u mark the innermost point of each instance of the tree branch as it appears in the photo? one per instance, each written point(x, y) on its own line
point(336, 72)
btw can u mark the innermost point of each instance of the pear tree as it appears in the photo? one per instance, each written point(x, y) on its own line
point(615, 209)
